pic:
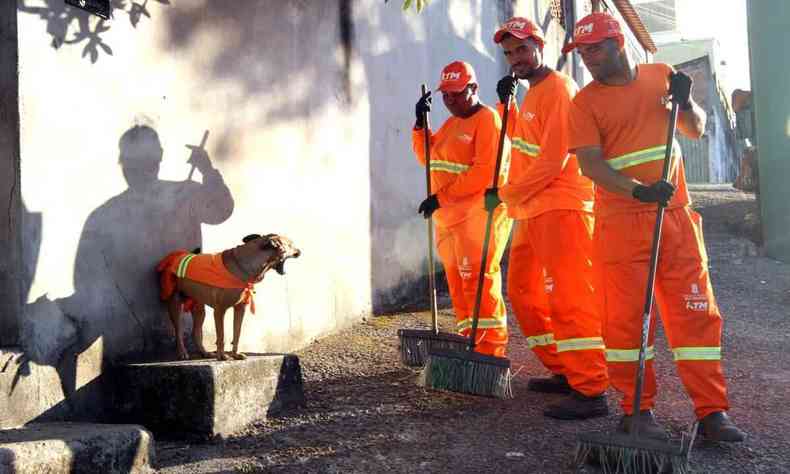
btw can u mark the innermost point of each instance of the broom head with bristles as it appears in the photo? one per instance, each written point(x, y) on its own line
point(415, 343)
point(623, 453)
point(467, 372)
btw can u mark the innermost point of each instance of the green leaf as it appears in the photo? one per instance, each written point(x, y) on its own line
point(406, 5)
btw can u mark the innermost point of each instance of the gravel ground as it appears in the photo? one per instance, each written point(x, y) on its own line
point(364, 413)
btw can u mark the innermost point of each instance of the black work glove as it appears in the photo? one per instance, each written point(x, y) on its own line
point(506, 87)
point(660, 192)
point(421, 109)
point(680, 89)
point(492, 199)
point(429, 206)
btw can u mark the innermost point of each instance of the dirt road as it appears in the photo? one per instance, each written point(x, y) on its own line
point(365, 415)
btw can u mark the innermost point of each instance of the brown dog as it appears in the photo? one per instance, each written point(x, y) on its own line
point(222, 281)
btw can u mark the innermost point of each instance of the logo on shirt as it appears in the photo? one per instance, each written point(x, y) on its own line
point(465, 137)
point(548, 284)
point(528, 115)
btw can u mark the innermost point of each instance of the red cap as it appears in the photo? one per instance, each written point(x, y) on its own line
point(595, 28)
point(456, 76)
point(521, 28)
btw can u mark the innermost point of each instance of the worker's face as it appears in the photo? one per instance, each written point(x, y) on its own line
point(602, 59)
point(462, 103)
point(524, 56)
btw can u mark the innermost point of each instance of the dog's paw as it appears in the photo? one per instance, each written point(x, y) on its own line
point(221, 356)
point(183, 354)
point(238, 355)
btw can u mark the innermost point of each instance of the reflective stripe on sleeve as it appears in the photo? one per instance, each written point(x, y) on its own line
point(525, 147)
point(448, 166)
point(541, 340)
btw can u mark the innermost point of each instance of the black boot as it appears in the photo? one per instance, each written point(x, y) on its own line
point(554, 384)
point(718, 427)
point(648, 426)
point(578, 407)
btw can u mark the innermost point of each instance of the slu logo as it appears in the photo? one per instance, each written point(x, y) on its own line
point(528, 115)
point(516, 25)
point(451, 76)
point(465, 137)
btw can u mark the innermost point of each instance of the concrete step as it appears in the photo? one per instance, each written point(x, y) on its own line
point(55, 448)
point(206, 399)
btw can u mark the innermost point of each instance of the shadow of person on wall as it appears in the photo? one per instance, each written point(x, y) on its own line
point(115, 309)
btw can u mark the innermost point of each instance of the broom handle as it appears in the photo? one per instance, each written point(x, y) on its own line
point(202, 146)
point(431, 270)
point(651, 276)
point(489, 221)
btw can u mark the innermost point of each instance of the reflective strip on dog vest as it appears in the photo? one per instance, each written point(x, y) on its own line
point(580, 344)
point(482, 323)
point(628, 355)
point(525, 147)
point(638, 157)
point(697, 353)
point(448, 166)
point(541, 340)
point(181, 271)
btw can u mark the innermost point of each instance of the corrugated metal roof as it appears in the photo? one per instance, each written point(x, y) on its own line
point(633, 21)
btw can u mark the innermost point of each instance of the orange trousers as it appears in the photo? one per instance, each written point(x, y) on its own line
point(461, 250)
point(550, 285)
point(684, 297)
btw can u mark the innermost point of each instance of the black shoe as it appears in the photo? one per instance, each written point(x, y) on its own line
point(648, 426)
point(578, 407)
point(554, 384)
point(718, 427)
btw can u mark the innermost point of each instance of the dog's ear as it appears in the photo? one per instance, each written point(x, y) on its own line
point(250, 237)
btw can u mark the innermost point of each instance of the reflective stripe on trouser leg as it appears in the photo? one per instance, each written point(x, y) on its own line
point(691, 316)
point(563, 244)
point(526, 290)
point(468, 246)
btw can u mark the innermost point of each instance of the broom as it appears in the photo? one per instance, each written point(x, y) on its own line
point(630, 453)
point(414, 343)
point(466, 371)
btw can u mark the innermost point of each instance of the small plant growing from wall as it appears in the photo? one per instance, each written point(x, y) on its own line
point(418, 4)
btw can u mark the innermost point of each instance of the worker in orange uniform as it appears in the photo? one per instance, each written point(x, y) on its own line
point(618, 129)
point(550, 278)
point(463, 157)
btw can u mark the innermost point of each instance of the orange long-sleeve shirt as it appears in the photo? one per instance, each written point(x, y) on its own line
point(543, 175)
point(463, 156)
point(630, 124)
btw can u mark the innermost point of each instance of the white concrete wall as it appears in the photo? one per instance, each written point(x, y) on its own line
point(270, 82)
